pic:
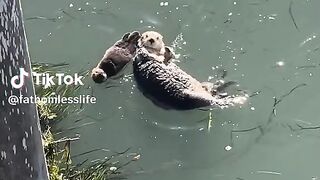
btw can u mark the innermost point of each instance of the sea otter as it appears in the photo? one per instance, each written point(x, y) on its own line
point(153, 42)
point(171, 86)
point(116, 57)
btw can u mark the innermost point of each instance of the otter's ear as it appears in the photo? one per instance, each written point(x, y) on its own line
point(168, 55)
point(125, 36)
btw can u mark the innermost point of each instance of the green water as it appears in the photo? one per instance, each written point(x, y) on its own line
point(256, 41)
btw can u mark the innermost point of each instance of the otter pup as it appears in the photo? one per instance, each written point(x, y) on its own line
point(116, 57)
point(170, 85)
point(153, 42)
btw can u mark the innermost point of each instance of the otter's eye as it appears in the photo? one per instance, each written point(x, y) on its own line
point(157, 38)
point(146, 36)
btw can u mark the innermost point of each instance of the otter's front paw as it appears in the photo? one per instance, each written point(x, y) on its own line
point(98, 75)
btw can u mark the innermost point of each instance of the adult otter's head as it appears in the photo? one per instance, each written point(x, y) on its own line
point(153, 42)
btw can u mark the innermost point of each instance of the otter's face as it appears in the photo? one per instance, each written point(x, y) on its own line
point(98, 75)
point(152, 40)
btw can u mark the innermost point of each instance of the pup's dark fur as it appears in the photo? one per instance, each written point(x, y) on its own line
point(116, 57)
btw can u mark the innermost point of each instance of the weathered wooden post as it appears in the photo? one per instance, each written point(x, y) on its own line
point(21, 150)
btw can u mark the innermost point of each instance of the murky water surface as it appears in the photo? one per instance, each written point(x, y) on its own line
point(268, 46)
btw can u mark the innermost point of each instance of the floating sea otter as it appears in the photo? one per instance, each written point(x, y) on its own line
point(166, 83)
point(116, 57)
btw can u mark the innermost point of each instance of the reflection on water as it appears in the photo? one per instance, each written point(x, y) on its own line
point(267, 46)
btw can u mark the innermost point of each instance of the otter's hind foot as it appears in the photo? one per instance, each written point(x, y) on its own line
point(131, 37)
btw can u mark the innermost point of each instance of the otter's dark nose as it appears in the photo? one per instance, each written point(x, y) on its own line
point(151, 41)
